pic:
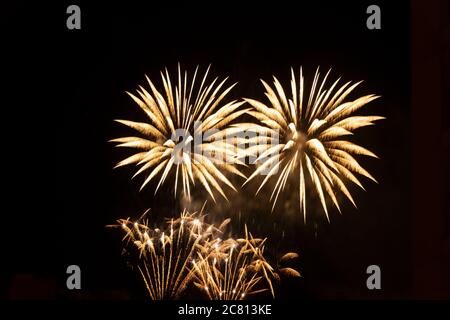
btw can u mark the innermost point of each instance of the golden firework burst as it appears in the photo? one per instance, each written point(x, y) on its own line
point(190, 111)
point(189, 250)
point(312, 132)
point(164, 254)
point(233, 269)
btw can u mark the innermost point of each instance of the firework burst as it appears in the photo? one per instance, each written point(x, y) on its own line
point(313, 135)
point(177, 116)
point(233, 269)
point(164, 253)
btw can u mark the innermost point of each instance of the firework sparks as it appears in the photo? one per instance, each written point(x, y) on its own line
point(313, 132)
point(188, 250)
point(176, 117)
point(164, 254)
point(233, 269)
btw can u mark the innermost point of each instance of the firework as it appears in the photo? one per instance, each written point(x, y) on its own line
point(188, 250)
point(313, 135)
point(177, 116)
point(233, 269)
point(164, 254)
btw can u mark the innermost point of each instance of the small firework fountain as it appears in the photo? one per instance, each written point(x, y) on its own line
point(234, 269)
point(165, 253)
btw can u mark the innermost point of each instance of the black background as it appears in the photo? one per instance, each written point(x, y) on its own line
point(65, 87)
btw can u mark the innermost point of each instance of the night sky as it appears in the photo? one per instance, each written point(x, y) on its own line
point(71, 85)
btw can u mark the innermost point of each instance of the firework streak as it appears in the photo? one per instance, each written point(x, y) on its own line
point(189, 250)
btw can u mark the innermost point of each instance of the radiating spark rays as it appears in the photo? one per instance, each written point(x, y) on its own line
point(312, 132)
point(179, 106)
point(188, 250)
point(164, 253)
point(233, 269)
